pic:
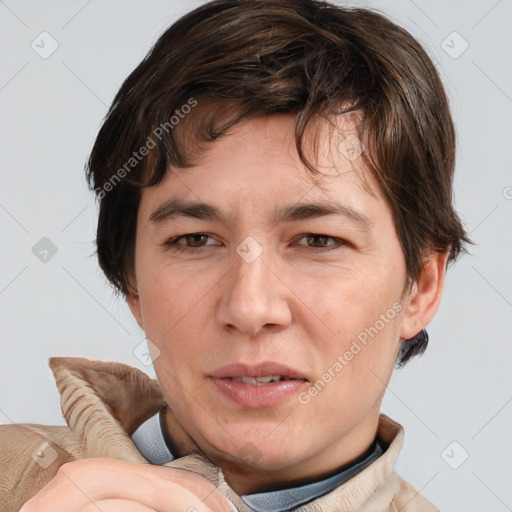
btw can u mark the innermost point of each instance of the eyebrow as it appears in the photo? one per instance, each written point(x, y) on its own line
point(175, 208)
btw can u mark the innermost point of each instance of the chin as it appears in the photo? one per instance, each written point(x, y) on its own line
point(264, 460)
point(256, 451)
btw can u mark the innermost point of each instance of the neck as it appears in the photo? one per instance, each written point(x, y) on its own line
point(246, 479)
point(249, 479)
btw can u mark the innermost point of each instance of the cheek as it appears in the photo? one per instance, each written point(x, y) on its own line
point(165, 288)
point(363, 316)
point(350, 303)
point(176, 310)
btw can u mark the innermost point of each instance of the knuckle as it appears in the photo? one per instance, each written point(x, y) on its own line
point(28, 506)
point(73, 468)
point(65, 468)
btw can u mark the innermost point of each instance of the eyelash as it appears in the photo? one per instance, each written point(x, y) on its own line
point(172, 243)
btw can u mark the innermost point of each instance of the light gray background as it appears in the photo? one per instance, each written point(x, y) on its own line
point(51, 109)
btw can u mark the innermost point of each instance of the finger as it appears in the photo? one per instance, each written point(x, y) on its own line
point(63, 494)
point(81, 483)
point(131, 506)
point(165, 489)
point(117, 506)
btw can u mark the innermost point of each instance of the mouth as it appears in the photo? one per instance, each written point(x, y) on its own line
point(258, 386)
point(260, 381)
point(263, 372)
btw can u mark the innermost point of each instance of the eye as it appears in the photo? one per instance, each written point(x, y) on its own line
point(322, 240)
point(194, 239)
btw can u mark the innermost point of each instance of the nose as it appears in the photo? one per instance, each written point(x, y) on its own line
point(254, 297)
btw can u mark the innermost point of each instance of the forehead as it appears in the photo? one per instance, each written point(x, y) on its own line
point(256, 165)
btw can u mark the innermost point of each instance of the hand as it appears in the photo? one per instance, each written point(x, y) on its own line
point(109, 485)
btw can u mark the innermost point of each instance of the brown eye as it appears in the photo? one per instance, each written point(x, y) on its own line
point(193, 241)
point(319, 241)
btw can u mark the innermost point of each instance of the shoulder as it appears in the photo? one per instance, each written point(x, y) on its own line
point(30, 456)
point(408, 499)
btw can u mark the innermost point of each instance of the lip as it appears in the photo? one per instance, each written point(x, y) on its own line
point(257, 370)
point(258, 396)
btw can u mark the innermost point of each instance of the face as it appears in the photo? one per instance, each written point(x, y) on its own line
point(255, 284)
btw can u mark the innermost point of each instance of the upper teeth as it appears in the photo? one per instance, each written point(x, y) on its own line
point(259, 380)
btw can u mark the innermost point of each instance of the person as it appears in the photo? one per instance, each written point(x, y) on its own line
point(275, 205)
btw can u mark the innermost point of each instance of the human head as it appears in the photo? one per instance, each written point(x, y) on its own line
point(235, 59)
point(213, 112)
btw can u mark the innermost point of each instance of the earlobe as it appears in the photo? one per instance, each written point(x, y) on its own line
point(425, 296)
point(133, 301)
point(132, 296)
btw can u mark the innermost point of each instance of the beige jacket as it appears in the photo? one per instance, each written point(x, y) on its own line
point(104, 403)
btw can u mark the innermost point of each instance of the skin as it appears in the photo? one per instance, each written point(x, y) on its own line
point(302, 302)
point(294, 304)
point(93, 485)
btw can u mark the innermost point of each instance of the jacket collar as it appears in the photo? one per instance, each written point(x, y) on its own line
point(104, 403)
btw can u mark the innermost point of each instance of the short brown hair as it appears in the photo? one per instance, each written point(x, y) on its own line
point(247, 58)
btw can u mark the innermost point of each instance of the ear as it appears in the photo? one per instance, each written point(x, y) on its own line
point(133, 301)
point(132, 297)
point(425, 295)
